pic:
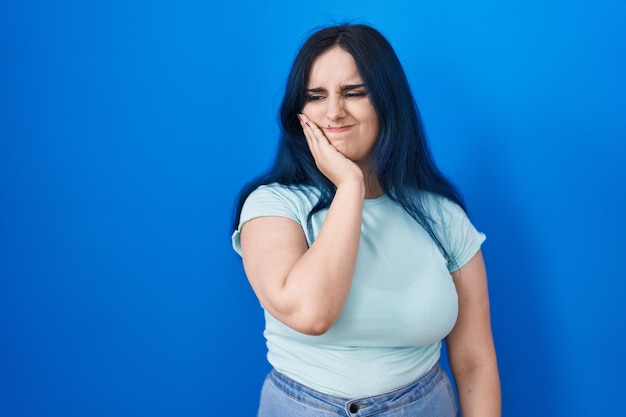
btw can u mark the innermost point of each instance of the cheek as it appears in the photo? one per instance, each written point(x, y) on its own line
point(369, 117)
point(373, 128)
point(312, 112)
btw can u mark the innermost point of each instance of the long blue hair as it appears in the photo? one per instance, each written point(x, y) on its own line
point(401, 160)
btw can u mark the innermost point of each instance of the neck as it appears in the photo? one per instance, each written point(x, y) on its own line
point(372, 187)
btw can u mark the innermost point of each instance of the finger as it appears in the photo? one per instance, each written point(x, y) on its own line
point(309, 134)
point(318, 134)
point(305, 123)
point(308, 137)
point(318, 139)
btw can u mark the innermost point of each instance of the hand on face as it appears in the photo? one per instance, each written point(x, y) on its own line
point(335, 166)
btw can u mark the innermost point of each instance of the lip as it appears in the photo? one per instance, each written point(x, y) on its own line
point(338, 129)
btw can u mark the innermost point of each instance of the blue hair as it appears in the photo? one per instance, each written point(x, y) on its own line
point(402, 161)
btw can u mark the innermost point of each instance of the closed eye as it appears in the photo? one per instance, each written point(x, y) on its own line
point(348, 91)
point(356, 94)
point(315, 97)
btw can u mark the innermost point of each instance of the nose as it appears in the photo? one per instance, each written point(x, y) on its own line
point(335, 110)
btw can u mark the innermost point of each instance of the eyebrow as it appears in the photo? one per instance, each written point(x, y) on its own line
point(343, 88)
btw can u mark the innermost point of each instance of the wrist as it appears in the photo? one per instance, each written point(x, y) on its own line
point(353, 184)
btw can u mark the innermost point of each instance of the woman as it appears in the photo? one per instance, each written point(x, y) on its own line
point(360, 250)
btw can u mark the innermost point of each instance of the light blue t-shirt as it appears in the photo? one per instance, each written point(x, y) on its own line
point(402, 302)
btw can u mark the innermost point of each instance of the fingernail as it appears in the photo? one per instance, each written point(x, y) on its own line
point(299, 117)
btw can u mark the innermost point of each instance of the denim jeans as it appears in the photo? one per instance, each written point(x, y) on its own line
point(430, 396)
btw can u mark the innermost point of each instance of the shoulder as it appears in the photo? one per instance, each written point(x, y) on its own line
point(286, 191)
point(279, 194)
point(291, 201)
point(458, 234)
point(277, 200)
point(441, 208)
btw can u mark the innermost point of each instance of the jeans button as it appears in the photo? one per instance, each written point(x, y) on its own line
point(354, 407)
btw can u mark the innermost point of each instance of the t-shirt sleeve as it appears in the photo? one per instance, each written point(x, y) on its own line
point(265, 201)
point(462, 240)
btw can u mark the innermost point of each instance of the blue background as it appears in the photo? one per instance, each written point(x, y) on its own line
point(128, 127)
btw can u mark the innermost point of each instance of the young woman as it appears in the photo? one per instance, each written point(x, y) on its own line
point(360, 250)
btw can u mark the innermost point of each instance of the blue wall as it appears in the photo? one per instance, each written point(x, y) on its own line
point(127, 128)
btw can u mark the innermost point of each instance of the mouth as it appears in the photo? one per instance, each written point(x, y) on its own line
point(338, 129)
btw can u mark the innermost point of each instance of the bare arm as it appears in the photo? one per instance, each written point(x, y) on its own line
point(306, 288)
point(470, 344)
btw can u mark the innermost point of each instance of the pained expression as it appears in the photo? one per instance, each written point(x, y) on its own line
point(338, 102)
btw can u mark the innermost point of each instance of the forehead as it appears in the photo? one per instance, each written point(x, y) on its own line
point(333, 66)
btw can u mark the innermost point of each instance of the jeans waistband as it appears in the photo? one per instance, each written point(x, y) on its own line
point(367, 405)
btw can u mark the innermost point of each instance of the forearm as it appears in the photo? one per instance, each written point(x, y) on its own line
point(479, 391)
point(471, 351)
point(322, 277)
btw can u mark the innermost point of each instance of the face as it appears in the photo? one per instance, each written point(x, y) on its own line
point(338, 102)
